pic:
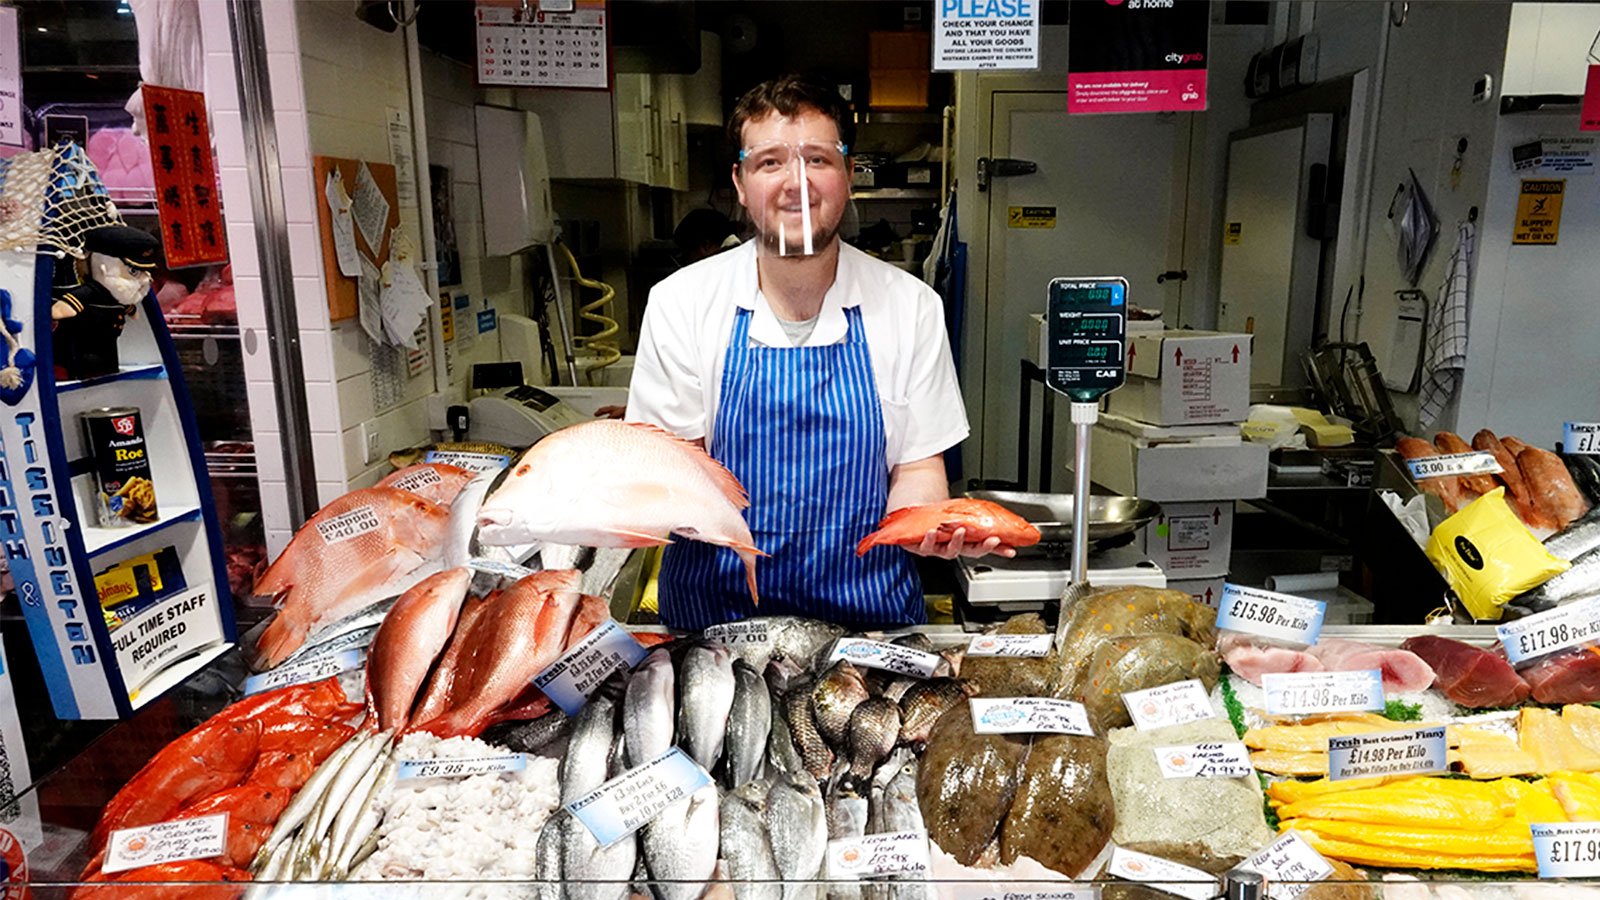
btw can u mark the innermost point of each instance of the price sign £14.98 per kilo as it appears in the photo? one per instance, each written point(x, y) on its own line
point(1086, 327)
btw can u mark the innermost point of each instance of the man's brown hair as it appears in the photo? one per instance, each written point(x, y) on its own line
point(788, 96)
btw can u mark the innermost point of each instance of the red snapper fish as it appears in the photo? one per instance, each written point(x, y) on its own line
point(411, 637)
point(618, 484)
point(366, 546)
point(436, 482)
point(982, 520)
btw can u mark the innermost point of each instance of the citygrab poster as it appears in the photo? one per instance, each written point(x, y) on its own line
point(1133, 56)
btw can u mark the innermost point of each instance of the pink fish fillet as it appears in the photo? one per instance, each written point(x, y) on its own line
point(1250, 660)
point(1403, 671)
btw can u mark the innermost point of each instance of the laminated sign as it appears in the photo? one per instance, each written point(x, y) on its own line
point(1138, 56)
point(1539, 211)
point(186, 183)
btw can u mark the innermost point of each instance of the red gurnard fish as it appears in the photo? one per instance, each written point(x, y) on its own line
point(411, 637)
point(436, 482)
point(323, 699)
point(214, 756)
point(193, 879)
point(982, 520)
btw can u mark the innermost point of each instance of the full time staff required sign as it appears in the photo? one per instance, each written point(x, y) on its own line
point(986, 34)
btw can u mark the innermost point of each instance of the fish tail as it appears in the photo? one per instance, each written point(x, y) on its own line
point(283, 635)
point(748, 554)
point(868, 542)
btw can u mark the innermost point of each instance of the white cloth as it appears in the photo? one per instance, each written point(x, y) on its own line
point(677, 374)
point(170, 53)
point(1447, 331)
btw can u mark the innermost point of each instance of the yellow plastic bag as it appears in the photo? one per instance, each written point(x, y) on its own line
point(1488, 556)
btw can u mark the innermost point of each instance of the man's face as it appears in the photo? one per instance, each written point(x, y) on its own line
point(777, 149)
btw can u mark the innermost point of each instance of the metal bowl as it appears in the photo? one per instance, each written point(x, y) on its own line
point(1109, 517)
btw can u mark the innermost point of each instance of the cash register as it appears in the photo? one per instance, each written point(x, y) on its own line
point(511, 412)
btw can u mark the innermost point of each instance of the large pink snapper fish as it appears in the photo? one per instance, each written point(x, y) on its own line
point(618, 484)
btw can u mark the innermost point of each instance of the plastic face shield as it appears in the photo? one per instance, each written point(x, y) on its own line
point(782, 181)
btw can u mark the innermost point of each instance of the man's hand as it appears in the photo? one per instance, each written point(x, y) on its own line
point(958, 546)
point(611, 412)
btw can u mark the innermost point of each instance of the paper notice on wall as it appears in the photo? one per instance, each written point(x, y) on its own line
point(371, 208)
point(371, 301)
point(10, 78)
point(405, 302)
point(405, 172)
point(465, 328)
point(988, 36)
point(344, 226)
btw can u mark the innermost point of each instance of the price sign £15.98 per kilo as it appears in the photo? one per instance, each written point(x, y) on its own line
point(1086, 327)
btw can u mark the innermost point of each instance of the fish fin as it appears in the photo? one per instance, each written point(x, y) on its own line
point(749, 557)
point(283, 635)
point(868, 542)
point(637, 539)
point(725, 480)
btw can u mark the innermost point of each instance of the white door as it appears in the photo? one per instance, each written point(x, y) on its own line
point(1118, 185)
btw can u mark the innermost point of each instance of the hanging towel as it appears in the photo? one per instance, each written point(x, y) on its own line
point(1447, 330)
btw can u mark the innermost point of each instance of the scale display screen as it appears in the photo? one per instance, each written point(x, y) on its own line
point(1087, 331)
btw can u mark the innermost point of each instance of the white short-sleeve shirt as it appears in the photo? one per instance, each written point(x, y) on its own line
point(677, 375)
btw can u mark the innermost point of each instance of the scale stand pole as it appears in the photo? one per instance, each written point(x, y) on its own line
point(1084, 415)
point(567, 341)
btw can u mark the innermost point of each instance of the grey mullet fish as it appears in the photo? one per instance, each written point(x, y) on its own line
point(749, 722)
point(705, 697)
point(745, 845)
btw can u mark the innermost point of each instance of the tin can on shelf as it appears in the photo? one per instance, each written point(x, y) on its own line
point(124, 492)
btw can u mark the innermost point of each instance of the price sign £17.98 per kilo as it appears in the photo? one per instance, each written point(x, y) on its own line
point(1547, 632)
point(1086, 327)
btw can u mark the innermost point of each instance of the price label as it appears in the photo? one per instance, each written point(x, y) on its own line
point(460, 768)
point(1169, 704)
point(1567, 849)
point(202, 837)
point(1581, 438)
point(1447, 465)
point(876, 855)
point(1014, 645)
point(346, 526)
point(1164, 874)
point(1214, 759)
point(303, 672)
point(571, 679)
point(418, 480)
point(1029, 715)
point(1551, 631)
point(1291, 866)
point(749, 631)
point(1282, 617)
point(628, 802)
point(472, 462)
point(1304, 693)
point(1017, 890)
point(885, 656)
point(1417, 751)
point(498, 567)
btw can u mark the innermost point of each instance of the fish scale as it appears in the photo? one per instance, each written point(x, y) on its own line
point(815, 754)
point(835, 697)
point(705, 697)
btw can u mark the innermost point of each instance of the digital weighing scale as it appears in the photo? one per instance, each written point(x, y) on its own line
point(1029, 583)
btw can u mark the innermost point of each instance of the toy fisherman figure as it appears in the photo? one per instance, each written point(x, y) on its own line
point(88, 317)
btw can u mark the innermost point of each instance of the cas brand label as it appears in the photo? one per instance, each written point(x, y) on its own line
point(1169, 704)
point(571, 679)
point(1029, 715)
point(1304, 693)
point(1163, 874)
point(875, 855)
point(1209, 759)
point(1291, 866)
point(1566, 849)
point(472, 462)
point(1013, 645)
point(303, 672)
point(1447, 465)
point(886, 656)
point(460, 768)
point(352, 524)
point(1548, 632)
point(202, 837)
point(629, 801)
point(1581, 438)
point(1416, 751)
point(1282, 617)
point(749, 631)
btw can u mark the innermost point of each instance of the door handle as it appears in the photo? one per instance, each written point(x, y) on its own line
point(1174, 275)
point(1002, 167)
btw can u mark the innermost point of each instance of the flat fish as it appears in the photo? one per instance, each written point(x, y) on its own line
point(749, 721)
point(1062, 815)
point(1135, 663)
point(998, 676)
point(966, 782)
point(1124, 612)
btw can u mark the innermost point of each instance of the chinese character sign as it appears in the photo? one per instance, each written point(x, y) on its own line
point(192, 231)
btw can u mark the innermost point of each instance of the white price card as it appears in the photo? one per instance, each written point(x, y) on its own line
point(1551, 631)
point(1029, 715)
point(1581, 438)
point(1415, 751)
point(352, 524)
point(1015, 645)
point(1210, 759)
point(472, 462)
point(1169, 704)
point(1447, 465)
point(202, 837)
point(1291, 866)
point(1304, 693)
point(629, 801)
point(498, 567)
point(749, 631)
point(571, 679)
point(1566, 849)
point(875, 855)
point(303, 672)
point(1017, 890)
point(461, 767)
point(1282, 617)
point(1164, 874)
point(889, 657)
point(423, 477)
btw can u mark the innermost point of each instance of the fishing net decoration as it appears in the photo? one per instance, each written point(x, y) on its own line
point(49, 199)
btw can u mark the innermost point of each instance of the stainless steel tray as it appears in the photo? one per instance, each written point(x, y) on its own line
point(1052, 513)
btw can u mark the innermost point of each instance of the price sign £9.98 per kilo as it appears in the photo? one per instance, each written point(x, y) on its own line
point(1086, 328)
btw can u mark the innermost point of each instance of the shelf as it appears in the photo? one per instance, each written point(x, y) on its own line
point(927, 193)
point(176, 674)
point(899, 118)
point(128, 373)
point(99, 541)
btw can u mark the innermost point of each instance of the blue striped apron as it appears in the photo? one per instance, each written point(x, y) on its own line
point(802, 428)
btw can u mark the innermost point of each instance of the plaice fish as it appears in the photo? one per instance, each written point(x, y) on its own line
point(409, 641)
point(436, 482)
point(982, 520)
point(514, 638)
point(656, 485)
point(369, 544)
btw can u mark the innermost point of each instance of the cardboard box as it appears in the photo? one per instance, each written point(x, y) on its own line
point(1177, 469)
point(1191, 540)
point(1203, 590)
point(1185, 378)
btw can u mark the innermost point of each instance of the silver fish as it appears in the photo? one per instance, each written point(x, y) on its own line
point(533, 735)
point(880, 785)
point(306, 799)
point(798, 828)
point(749, 721)
point(547, 858)
point(358, 639)
point(1577, 539)
point(680, 846)
point(369, 616)
point(1576, 583)
point(463, 525)
point(781, 753)
point(788, 637)
point(585, 766)
point(648, 706)
point(745, 845)
point(847, 818)
point(901, 813)
point(590, 871)
point(705, 697)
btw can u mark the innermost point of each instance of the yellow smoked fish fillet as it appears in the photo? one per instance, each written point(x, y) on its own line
point(1488, 754)
point(1511, 838)
point(1313, 738)
point(1415, 801)
point(1403, 858)
point(1579, 797)
point(1584, 720)
point(1285, 792)
point(1285, 762)
point(1551, 740)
